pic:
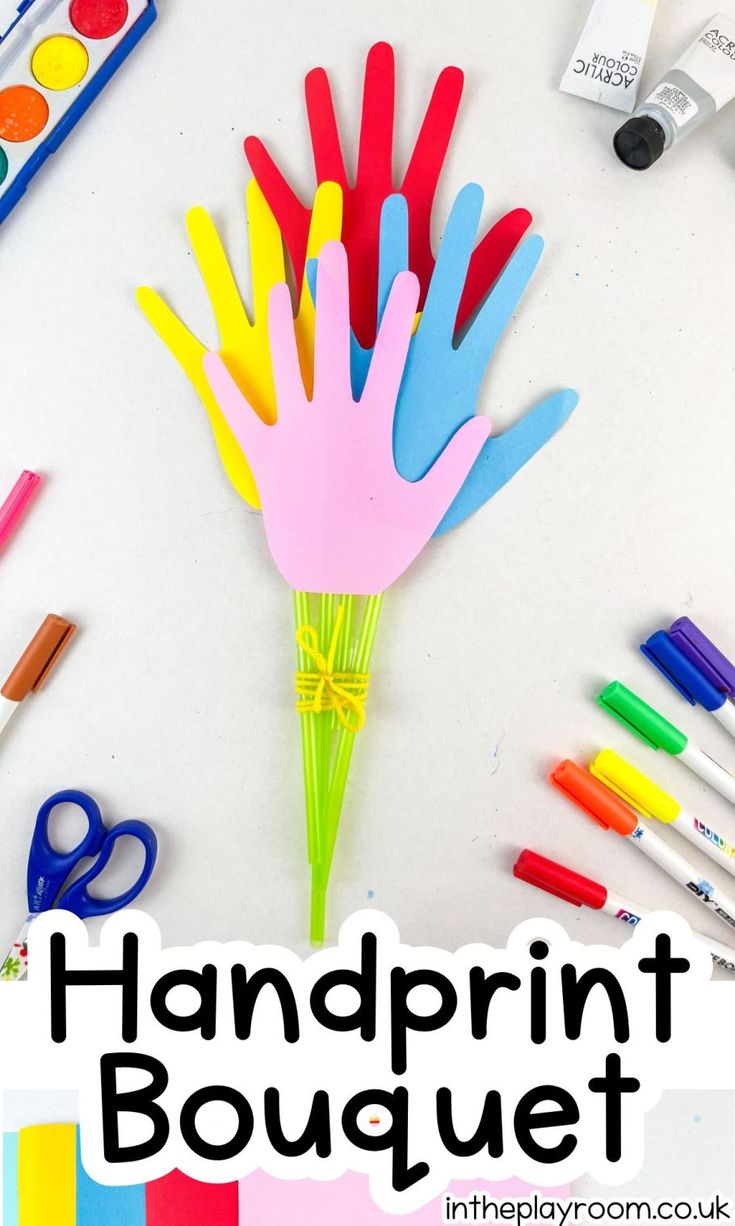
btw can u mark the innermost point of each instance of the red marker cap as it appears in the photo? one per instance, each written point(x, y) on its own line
point(597, 801)
point(558, 880)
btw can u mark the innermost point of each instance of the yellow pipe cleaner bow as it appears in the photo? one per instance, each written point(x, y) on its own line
point(325, 690)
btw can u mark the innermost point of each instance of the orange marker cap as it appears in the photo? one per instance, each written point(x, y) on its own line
point(39, 658)
point(597, 801)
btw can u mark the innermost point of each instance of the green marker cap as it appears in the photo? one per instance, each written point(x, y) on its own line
point(646, 723)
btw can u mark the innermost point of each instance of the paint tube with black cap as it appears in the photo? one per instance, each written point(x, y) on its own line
point(701, 82)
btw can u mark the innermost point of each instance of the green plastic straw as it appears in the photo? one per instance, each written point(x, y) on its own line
point(323, 719)
point(345, 645)
point(332, 811)
point(314, 828)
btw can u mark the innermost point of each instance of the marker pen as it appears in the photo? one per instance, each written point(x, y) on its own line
point(16, 503)
point(707, 658)
point(584, 892)
point(657, 732)
point(701, 651)
point(34, 666)
point(678, 669)
point(642, 794)
point(604, 807)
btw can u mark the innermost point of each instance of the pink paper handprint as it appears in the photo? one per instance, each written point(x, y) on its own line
point(338, 516)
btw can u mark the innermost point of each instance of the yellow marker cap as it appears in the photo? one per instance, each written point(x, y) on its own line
point(640, 792)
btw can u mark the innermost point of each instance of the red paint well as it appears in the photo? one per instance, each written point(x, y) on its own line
point(98, 18)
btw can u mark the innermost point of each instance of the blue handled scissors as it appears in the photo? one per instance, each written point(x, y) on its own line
point(49, 870)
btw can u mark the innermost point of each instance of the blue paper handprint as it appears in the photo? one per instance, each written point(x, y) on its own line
point(444, 372)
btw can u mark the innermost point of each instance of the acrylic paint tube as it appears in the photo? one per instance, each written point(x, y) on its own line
point(608, 60)
point(700, 83)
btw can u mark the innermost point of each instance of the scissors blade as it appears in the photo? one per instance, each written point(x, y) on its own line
point(15, 964)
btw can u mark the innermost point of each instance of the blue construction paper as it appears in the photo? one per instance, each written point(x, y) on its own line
point(98, 1204)
point(442, 381)
point(443, 375)
point(504, 454)
point(10, 1179)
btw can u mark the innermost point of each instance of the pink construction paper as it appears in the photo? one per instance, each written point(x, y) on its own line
point(338, 516)
point(265, 1201)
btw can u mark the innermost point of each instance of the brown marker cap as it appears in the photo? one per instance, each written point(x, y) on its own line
point(39, 658)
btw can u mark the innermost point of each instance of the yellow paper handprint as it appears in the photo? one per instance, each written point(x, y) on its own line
point(244, 344)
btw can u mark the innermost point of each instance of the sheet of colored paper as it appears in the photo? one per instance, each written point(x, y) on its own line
point(180, 1201)
point(98, 1204)
point(265, 1201)
point(47, 1175)
point(10, 1179)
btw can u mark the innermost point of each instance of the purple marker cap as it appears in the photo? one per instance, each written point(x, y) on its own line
point(711, 663)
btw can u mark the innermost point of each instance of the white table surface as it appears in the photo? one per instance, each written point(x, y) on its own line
point(174, 703)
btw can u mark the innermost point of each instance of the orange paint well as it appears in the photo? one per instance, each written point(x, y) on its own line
point(23, 113)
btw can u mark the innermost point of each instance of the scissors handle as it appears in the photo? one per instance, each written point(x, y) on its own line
point(77, 897)
point(48, 868)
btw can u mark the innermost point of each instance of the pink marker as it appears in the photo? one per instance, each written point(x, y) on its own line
point(14, 507)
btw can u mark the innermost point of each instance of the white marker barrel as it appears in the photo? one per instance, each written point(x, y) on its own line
point(709, 770)
point(686, 873)
point(7, 711)
point(706, 840)
point(726, 715)
point(621, 908)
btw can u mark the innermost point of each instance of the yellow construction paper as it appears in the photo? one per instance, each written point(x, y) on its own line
point(244, 344)
point(47, 1166)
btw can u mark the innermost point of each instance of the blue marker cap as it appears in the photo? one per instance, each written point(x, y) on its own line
point(718, 670)
point(679, 670)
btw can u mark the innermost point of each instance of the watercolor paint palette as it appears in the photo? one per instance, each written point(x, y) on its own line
point(55, 57)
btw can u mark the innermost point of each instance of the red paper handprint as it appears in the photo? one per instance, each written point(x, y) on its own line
point(374, 182)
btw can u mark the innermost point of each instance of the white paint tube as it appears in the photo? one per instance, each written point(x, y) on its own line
point(701, 82)
point(608, 60)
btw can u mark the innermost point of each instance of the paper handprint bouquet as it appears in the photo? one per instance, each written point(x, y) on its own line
point(351, 426)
